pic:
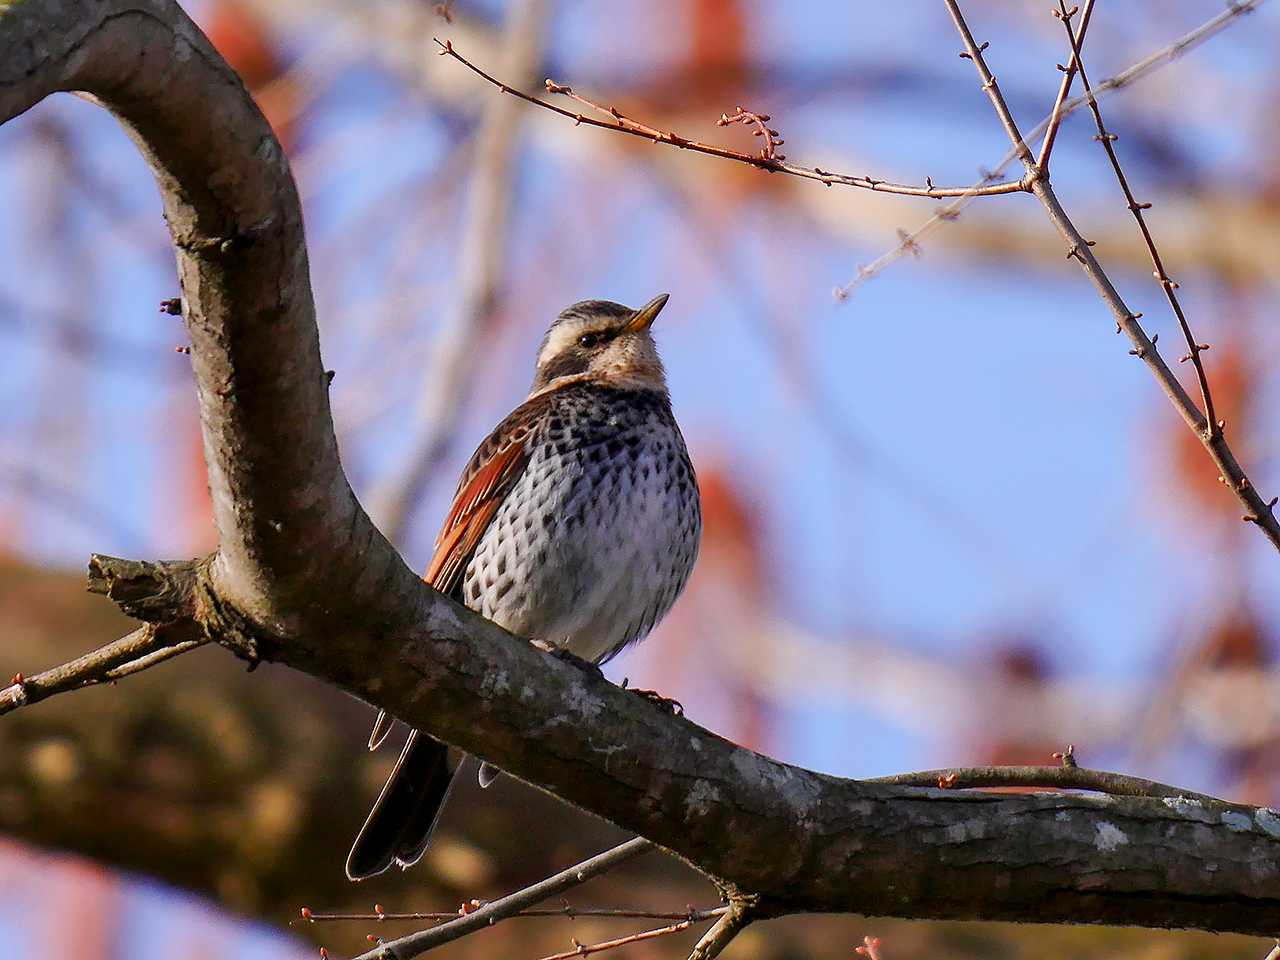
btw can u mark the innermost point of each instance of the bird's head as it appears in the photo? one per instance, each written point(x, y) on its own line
point(601, 340)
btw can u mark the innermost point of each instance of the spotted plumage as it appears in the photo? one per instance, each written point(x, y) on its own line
point(576, 524)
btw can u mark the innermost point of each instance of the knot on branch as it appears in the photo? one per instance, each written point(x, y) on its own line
point(161, 592)
point(175, 593)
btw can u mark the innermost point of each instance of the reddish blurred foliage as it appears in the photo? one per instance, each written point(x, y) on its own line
point(1016, 687)
point(1228, 702)
point(1231, 378)
point(731, 536)
point(1237, 642)
point(718, 63)
point(732, 553)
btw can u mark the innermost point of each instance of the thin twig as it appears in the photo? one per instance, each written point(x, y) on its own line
point(1068, 75)
point(144, 647)
point(414, 944)
point(1058, 778)
point(748, 118)
point(586, 949)
point(1260, 512)
point(572, 913)
point(725, 929)
point(623, 124)
point(909, 241)
point(1107, 139)
point(973, 51)
point(153, 658)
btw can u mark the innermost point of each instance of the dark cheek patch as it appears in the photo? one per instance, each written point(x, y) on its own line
point(565, 365)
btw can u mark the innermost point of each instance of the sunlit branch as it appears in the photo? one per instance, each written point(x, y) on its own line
point(143, 648)
point(909, 240)
point(1260, 512)
point(1107, 139)
point(414, 944)
point(620, 123)
point(1068, 75)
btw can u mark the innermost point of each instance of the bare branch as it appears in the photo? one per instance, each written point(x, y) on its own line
point(586, 949)
point(1260, 512)
point(1107, 139)
point(973, 51)
point(567, 912)
point(1068, 75)
point(1056, 778)
point(909, 241)
point(490, 913)
point(143, 648)
point(725, 929)
point(622, 124)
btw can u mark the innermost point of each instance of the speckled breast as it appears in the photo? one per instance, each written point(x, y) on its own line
point(596, 539)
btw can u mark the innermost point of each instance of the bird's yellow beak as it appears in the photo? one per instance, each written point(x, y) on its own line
point(645, 316)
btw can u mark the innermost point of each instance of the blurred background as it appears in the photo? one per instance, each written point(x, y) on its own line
point(949, 520)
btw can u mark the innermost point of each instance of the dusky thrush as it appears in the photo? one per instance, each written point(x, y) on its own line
point(576, 524)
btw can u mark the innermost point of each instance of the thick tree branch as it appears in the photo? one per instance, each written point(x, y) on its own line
point(301, 576)
point(287, 519)
point(801, 840)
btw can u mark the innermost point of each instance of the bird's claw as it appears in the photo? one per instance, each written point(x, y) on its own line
point(560, 653)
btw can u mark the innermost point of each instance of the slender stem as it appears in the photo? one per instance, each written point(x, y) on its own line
point(142, 648)
point(1194, 347)
point(724, 930)
point(909, 241)
point(1261, 512)
point(973, 51)
point(622, 124)
point(1058, 778)
point(571, 913)
point(1068, 75)
point(586, 949)
point(153, 658)
point(414, 944)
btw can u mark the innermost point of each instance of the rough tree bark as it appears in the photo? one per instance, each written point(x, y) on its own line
point(301, 576)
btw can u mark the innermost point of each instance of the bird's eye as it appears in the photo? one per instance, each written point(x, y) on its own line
point(588, 340)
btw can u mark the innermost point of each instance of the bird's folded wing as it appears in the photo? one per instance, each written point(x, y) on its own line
point(488, 480)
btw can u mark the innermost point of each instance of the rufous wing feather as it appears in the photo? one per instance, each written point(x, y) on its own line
point(473, 509)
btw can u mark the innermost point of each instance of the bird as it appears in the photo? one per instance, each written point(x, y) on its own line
point(575, 524)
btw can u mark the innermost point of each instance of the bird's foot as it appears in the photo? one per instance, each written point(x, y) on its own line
point(669, 704)
point(560, 653)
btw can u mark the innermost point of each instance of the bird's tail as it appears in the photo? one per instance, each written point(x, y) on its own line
point(400, 825)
